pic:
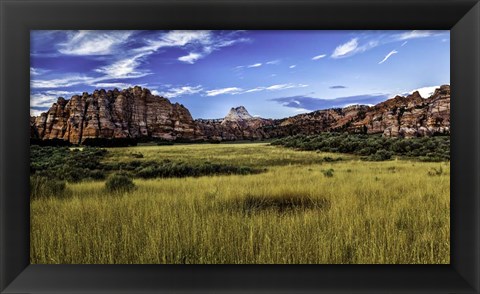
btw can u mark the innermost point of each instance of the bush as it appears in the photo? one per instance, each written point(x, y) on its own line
point(41, 187)
point(328, 173)
point(380, 155)
point(119, 183)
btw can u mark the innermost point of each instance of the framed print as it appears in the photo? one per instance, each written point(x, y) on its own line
point(239, 146)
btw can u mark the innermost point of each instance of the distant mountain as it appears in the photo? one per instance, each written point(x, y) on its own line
point(238, 114)
point(135, 113)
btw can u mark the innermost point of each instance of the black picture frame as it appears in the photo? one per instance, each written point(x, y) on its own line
point(18, 17)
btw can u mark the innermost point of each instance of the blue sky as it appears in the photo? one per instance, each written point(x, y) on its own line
point(274, 74)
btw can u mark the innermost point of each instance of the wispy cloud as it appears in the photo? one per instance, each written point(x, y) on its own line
point(319, 56)
point(254, 65)
point(345, 49)
point(123, 69)
point(361, 44)
point(285, 86)
point(42, 101)
point(38, 71)
point(180, 91)
point(199, 43)
point(414, 35)
point(388, 56)
point(292, 66)
point(66, 81)
point(190, 58)
point(276, 61)
point(353, 47)
point(425, 92)
point(231, 91)
point(275, 87)
point(258, 64)
point(311, 103)
point(93, 42)
point(237, 91)
point(115, 85)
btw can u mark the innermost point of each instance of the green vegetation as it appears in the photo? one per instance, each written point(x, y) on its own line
point(119, 183)
point(41, 187)
point(90, 163)
point(291, 207)
point(373, 147)
point(67, 164)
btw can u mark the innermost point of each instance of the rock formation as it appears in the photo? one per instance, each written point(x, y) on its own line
point(130, 113)
point(136, 113)
point(238, 124)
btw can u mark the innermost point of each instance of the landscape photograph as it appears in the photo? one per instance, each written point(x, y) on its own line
point(240, 147)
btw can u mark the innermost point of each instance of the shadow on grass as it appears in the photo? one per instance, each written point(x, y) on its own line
point(282, 203)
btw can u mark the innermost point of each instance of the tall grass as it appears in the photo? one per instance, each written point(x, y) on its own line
point(366, 212)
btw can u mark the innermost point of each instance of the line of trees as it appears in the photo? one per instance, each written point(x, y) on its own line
point(372, 147)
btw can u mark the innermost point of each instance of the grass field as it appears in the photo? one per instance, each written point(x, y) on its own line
point(305, 208)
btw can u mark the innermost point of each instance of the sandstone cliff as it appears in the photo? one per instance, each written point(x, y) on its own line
point(410, 116)
point(130, 113)
point(136, 113)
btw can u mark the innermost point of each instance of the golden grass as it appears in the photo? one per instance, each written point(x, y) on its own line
point(368, 212)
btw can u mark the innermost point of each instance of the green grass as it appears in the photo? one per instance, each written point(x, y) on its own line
point(366, 212)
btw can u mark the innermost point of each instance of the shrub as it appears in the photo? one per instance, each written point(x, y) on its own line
point(435, 172)
point(119, 183)
point(41, 187)
point(328, 173)
point(380, 155)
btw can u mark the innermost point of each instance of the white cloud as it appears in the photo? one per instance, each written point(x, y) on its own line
point(204, 43)
point(414, 35)
point(190, 58)
point(231, 91)
point(123, 69)
point(404, 43)
point(115, 85)
point(46, 99)
point(388, 56)
point(276, 61)
point(179, 91)
point(319, 56)
point(176, 38)
point(257, 89)
point(352, 47)
point(275, 87)
point(35, 112)
point(254, 65)
point(38, 71)
point(284, 86)
point(93, 42)
point(292, 66)
point(426, 92)
point(300, 110)
point(345, 49)
point(60, 82)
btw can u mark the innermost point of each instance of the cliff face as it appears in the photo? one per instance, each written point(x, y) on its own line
point(411, 116)
point(130, 113)
point(136, 113)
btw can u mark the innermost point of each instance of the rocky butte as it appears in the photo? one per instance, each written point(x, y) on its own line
point(136, 113)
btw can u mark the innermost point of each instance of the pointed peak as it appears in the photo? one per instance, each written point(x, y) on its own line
point(238, 113)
